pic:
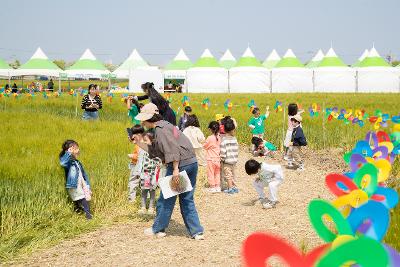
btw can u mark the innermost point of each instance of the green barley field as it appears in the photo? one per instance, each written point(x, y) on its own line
point(35, 211)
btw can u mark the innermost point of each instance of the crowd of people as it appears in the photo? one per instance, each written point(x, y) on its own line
point(162, 149)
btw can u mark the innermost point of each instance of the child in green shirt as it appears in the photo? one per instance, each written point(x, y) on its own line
point(257, 123)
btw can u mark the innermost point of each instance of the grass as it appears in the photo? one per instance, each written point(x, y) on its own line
point(35, 211)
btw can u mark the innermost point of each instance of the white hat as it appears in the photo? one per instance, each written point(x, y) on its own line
point(147, 112)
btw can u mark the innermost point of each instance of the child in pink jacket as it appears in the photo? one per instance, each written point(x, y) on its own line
point(212, 148)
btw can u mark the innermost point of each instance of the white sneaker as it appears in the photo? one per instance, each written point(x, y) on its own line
point(217, 189)
point(149, 232)
point(286, 157)
point(269, 205)
point(198, 237)
point(300, 168)
point(211, 190)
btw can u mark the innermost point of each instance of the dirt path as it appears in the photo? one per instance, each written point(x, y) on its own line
point(227, 219)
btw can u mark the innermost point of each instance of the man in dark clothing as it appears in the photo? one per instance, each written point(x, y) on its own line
point(50, 85)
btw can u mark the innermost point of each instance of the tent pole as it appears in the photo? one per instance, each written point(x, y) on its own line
point(313, 80)
point(59, 83)
point(270, 82)
point(109, 82)
point(229, 86)
point(9, 79)
point(22, 79)
point(69, 84)
point(356, 81)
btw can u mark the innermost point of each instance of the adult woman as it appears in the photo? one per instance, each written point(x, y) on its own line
point(163, 106)
point(176, 151)
point(91, 103)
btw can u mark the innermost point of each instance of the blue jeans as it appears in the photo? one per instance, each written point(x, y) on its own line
point(90, 115)
point(165, 207)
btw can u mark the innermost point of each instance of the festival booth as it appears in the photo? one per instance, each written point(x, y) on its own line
point(290, 75)
point(141, 75)
point(132, 62)
point(315, 60)
point(272, 59)
point(38, 65)
point(175, 71)
point(87, 67)
point(332, 75)
point(227, 60)
point(207, 76)
point(249, 76)
point(375, 75)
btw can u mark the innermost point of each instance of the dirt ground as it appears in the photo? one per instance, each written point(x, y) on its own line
point(227, 219)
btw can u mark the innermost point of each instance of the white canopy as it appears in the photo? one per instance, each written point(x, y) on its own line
point(87, 67)
point(141, 75)
point(249, 75)
point(207, 76)
point(38, 64)
point(134, 61)
point(289, 75)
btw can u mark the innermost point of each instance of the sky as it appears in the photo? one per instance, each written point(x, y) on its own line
point(159, 28)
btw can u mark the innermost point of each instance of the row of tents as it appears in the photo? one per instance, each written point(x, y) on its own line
point(324, 73)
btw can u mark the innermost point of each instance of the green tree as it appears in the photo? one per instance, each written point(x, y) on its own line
point(16, 64)
point(60, 63)
point(395, 63)
point(110, 66)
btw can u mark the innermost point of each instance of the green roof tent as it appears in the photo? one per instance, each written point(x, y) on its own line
point(249, 75)
point(272, 59)
point(134, 61)
point(227, 61)
point(248, 60)
point(206, 60)
point(375, 75)
point(177, 68)
point(38, 64)
point(316, 60)
point(361, 58)
point(289, 60)
point(87, 67)
point(207, 76)
point(5, 69)
point(290, 75)
point(332, 75)
point(331, 60)
point(373, 60)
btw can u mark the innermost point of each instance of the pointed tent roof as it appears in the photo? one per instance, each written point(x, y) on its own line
point(227, 61)
point(88, 62)
point(207, 60)
point(248, 60)
point(39, 61)
point(361, 58)
point(331, 60)
point(180, 62)
point(289, 60)
point(271, 61)
point(373, 60)
point(319, 56)
point(134, 61)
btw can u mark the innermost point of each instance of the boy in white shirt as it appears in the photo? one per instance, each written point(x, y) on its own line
point(267, 175)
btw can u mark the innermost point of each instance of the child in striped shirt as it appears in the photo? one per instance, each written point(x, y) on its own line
point(229, 155)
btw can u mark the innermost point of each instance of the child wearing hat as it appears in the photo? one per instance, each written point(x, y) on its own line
point(297, 141)
point(183, 119)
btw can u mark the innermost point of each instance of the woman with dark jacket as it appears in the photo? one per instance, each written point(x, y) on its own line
point(176, 151)
point(91, 103)
point(163, 106)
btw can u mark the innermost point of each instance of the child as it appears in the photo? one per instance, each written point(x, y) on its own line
point(292, 111)
point(196, 137)
point(268, 175)
point(76, 179)
point(133, 108)
point(212, 148)
point(257, 122)
point(147, 171)
point(297, 141)
point(262, 147)
point(229, 155)
point(183, 119)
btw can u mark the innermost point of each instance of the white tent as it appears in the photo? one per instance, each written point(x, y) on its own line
point(361, 58)
point(316, 59)
point(272, 59)
point(249, 75)
point(227, 60)
point(332, 75)
point(376, 75)
point(177, 68)
point(141, 75)
point(38, 64)
point(132, 62)
point(207, 76)
point(87, 67)
point(290, 75)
